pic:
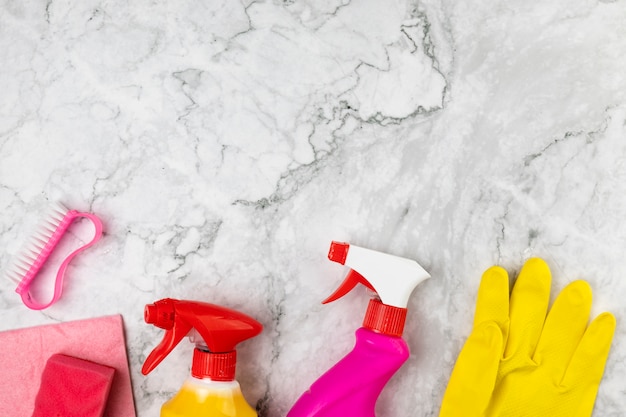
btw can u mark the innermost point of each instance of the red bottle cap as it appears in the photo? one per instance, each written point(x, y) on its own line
point(216, 366)
point(385, 319)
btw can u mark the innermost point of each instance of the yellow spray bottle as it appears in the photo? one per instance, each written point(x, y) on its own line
point(211, 390)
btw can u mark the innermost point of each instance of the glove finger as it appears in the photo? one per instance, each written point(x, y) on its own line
point(528, 307)
point(474, 376)
point(587, 364)
point(564, 327)
point(492, 301)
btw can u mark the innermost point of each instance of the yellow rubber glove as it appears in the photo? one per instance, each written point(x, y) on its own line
point(519, 363)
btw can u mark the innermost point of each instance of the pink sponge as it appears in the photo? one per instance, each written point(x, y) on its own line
point(73, 387)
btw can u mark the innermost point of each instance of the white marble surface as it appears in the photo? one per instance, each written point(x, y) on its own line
point(226, 143)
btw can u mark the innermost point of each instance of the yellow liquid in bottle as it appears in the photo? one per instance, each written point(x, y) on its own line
point(205, 398)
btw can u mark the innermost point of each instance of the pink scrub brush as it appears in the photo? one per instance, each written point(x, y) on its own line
point(29, 262)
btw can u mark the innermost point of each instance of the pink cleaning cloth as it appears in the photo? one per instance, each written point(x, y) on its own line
point(73, 387)
point(26, 351)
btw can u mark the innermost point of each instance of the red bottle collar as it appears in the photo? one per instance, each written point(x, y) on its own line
point(385, 319)
point(215, 366)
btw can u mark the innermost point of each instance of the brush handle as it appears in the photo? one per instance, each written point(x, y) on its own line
point(28, 300)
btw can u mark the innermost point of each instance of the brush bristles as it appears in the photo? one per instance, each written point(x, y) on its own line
point(29, 260)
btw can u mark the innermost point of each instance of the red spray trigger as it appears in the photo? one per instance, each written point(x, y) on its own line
point(338, 253)
point(352, 279)
point(220, 328)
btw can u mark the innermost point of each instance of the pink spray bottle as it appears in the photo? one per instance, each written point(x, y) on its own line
point(352, 386)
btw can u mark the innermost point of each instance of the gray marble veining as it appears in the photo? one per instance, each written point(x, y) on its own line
point(226, 143)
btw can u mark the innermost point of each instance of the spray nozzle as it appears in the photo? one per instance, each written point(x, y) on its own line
point(220, 329)
point(392, 279)
point(338, 253)
point(161, 314)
